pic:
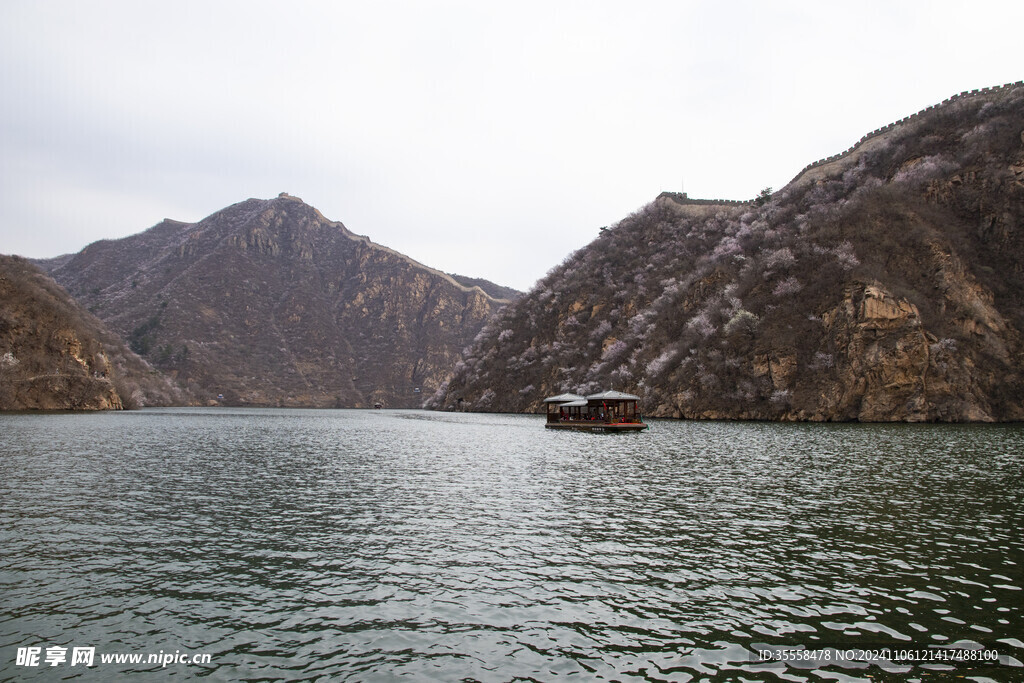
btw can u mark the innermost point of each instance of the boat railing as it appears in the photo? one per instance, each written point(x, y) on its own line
point(608, 419)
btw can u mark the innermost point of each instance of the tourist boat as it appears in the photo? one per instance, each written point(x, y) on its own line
point(609, 411)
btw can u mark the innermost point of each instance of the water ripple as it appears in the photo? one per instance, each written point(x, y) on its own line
point(306, 545)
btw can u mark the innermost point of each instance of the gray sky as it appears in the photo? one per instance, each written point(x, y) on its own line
point(487, 139)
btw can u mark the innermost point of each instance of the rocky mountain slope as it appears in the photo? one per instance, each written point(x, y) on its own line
point(269, 303)
point(883, 284)
point(56, 356)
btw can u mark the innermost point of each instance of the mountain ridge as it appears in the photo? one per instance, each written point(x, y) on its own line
point(267, 302)
point(880, 284)
point(170, 225)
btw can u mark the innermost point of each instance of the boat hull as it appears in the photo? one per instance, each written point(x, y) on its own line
point(607, 427)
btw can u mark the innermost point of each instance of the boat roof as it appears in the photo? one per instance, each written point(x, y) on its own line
point(612, 396)
point(564, 398)
point(575, 404)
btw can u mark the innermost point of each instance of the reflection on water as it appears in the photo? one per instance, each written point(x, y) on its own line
point(376, 544)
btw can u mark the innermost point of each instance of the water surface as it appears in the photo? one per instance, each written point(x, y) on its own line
point(378, 545)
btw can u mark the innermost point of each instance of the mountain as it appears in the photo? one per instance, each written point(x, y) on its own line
point(268, 303)
point(56, 356)
point(885, 283)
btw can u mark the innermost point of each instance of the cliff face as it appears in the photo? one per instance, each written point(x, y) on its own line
point(56, 356)
point(269, 303)
point(886, 284)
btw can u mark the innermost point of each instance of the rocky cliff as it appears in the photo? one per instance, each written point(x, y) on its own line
point(269, 303)
point(56, 356)
point(884, 284)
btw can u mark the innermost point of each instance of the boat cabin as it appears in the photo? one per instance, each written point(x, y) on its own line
point(612, 411)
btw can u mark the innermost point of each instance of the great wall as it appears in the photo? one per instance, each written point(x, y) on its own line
point(682, 198)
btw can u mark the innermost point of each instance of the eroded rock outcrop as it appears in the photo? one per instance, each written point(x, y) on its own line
point(883, 355)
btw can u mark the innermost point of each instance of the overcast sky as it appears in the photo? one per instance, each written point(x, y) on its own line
point(481, 138)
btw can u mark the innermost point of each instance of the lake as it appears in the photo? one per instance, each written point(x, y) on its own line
point(252, 544)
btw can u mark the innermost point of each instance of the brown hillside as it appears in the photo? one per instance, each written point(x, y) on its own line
point(885, 283)
point(269, 303)
point(55, 356)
